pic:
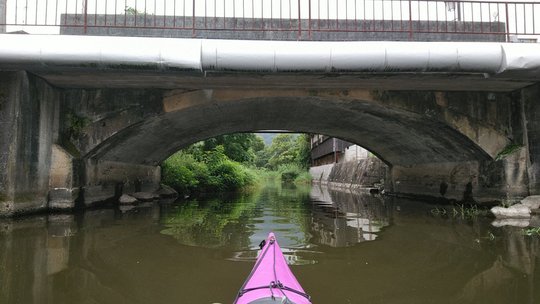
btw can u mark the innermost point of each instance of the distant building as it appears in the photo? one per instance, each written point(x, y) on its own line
point(329, 150)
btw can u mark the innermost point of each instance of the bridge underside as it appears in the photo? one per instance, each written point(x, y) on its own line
point(444, 81)
point(397, 136)
point(86, 145)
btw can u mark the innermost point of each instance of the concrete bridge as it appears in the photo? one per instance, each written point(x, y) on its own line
point(84, 119)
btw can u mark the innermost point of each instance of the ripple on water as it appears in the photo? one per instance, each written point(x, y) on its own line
point(293, 256)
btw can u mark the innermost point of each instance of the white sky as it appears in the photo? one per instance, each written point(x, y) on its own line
point(50, 11)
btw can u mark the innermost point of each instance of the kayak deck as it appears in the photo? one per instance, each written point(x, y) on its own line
point(271, 280)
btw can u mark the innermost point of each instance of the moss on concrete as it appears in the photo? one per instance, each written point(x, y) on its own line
point(508, 150)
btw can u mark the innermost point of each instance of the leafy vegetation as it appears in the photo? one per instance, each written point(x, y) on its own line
point(230, 162)
point(457, 211)
point(508, 150)
point(288, 149)
point(74, 125)
point(131, 11)
point(212, 171)
point(532, 231)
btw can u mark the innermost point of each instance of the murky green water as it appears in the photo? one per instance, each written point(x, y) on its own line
point(344, 248)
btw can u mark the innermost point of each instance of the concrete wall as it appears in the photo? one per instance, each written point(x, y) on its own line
point(3, 13)
point(45, 134)
point(366, 173)
point(106, 179)
point(91, 116)
point(220, 28)
point(354, 152)
point(531, 135)
point(29, 123)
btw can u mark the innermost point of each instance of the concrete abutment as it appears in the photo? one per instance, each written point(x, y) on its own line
point(531, 135)
point(41, 164)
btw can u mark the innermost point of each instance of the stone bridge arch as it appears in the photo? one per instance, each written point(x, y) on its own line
point(420, 135)
point(62, 145)
point(398, 136)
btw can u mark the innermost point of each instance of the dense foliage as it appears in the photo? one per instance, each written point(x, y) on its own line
point(230, 162)
point(212, 171)
point(285, 149)
point(240, 147)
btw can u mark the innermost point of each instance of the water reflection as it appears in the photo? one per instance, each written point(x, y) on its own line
point(342, 218)
point(188, 252)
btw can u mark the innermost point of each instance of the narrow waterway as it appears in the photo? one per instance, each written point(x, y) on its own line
point(343, 248)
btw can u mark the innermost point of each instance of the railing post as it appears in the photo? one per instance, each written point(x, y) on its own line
point(193, 21)
point(85, 16)
point(508, 23)
point(299, 22)
point(410, 21)
point(309, 20)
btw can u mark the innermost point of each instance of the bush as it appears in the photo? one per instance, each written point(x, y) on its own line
point(304, 178)
point(214, 172)
point(183, 173)
point(293, 173)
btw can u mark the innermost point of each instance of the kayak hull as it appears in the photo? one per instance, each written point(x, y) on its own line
point(271, 280)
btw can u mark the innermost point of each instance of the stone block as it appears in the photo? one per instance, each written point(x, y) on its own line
point(145, 196)
point(166, 192)
point(533, 201)
point(516, 211)
point(63, 198)
point(127, 199)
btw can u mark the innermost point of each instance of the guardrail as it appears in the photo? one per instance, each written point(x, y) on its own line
point(303, 17)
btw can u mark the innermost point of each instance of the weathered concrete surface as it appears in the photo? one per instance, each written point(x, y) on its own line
point(28, 114)
point(42, 148)
point(531, 134)
point(63, 183)
point(354, 115)
point(3, 14)
point(93, 79)
point(108, 179)
point(91, 116)
point(263, 29)
point(369, 172)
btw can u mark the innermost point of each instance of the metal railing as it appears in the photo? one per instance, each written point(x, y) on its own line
point(301, 17)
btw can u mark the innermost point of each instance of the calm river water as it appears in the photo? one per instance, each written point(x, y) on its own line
point(344, 248)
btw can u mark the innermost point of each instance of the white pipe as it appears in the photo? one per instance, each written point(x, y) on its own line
point(101, 52)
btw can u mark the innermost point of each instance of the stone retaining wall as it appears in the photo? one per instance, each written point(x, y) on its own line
point(356, 174)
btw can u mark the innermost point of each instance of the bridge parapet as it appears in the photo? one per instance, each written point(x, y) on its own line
point(275, 29)
point(281, 19)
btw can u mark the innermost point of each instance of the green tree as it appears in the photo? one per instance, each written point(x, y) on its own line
point(282, 151)
point(303, 151)
point(240, 147)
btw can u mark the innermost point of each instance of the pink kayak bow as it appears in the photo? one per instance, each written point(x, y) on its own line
point(271, 280)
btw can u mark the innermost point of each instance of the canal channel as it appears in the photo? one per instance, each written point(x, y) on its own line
point(343, 248)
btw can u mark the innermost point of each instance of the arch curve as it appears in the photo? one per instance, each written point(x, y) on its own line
point(397, 136)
